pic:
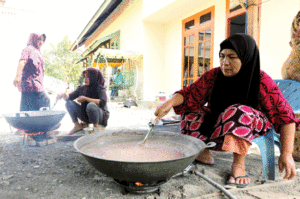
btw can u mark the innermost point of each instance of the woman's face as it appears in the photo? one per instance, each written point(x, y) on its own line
point(86, 79)
point(40, 41)
point(230, 62)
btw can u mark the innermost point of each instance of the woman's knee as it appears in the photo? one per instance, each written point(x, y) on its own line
point(233, 106)
point(69, 104)
point(92, 106)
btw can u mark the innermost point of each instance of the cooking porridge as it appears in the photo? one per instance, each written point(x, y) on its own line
point(131, 151)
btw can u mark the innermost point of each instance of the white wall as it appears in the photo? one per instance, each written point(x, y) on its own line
point(154, 59)
point(130, 26)
point(151, 6)
point(276, 20)
point(173, 49)
point(165, 38)
point(155, 28)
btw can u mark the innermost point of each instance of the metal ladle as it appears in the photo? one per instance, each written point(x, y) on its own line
point(144, 140)
point(54, 104)
point(159, 122)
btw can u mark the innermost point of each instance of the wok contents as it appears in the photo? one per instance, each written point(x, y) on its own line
point(131, 151)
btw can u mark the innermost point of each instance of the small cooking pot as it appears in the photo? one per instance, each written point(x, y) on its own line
point(143, 172)
point(35, 121)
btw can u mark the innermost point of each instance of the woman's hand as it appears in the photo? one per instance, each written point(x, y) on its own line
point(81, 99)
point(17, 81)
point(163, 110)
point(62, 95)
point(286, 160)
point(287, 163)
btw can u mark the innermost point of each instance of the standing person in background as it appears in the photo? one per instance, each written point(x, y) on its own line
point(117, 83)
point(30, 75)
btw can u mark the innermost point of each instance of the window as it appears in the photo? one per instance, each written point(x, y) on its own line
point(238, 24)
point(243, 16)
point(236, 17)
point(236, 5)
point(197, 46)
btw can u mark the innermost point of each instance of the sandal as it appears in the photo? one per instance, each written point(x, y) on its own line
point(234, 184)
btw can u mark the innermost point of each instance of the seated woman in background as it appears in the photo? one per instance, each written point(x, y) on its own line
point(92, 98)
point(243, 102)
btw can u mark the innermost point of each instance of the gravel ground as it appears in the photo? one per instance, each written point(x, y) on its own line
point(58, 171)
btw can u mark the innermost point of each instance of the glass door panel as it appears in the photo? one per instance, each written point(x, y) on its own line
point(189, 53)
point(207, 55)
point(185, 83)
point(208, 33)
point(200, 58)
point(197, 46)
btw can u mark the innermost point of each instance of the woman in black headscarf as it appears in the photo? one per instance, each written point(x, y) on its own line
point(92, 98)
point(232, 104)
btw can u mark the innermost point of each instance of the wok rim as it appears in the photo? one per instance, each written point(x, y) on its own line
point(132, 162)
point(54, 113)
point(25, 122)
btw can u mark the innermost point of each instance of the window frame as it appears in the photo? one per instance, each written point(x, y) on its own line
point(230, 15)
point(249, 22)
point(195, 31)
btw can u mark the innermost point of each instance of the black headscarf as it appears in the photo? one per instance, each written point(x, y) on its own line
point(95, 89)
point(243, 88)
point(96, 81)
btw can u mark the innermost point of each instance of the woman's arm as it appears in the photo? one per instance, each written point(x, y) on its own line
point(82, 99)
point(17, 80)
point(286, 161)
point(65, 96)
point(165, 108)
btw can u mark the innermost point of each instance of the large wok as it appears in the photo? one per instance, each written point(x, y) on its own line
point(35, 121)
point(143, 172)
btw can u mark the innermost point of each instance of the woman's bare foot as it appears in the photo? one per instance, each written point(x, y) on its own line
point(76, 128)
point(206, 157)
point(83, 125)
point(96, 126)
point(238, 170)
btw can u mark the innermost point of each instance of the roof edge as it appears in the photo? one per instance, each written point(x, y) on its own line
point(19, 9)
point(91, 22)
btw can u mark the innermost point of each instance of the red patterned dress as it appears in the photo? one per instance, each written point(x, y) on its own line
point(242, 121)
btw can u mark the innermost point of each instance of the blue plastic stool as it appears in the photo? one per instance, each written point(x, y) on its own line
point(291, 91)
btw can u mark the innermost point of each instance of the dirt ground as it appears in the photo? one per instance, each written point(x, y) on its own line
point(59, 171)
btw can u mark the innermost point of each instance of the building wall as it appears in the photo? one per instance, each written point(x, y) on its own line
point(126, 19)
point(154, 60)
point(276, 20)
point(163, 46)
point(154, 27)
point(151, 6)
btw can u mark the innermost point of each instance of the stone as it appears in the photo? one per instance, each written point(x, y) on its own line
point(150, 197)
point(176, 194)
point(97, 178)
point(192, 190)
point(7, 177)
point(4, 183)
